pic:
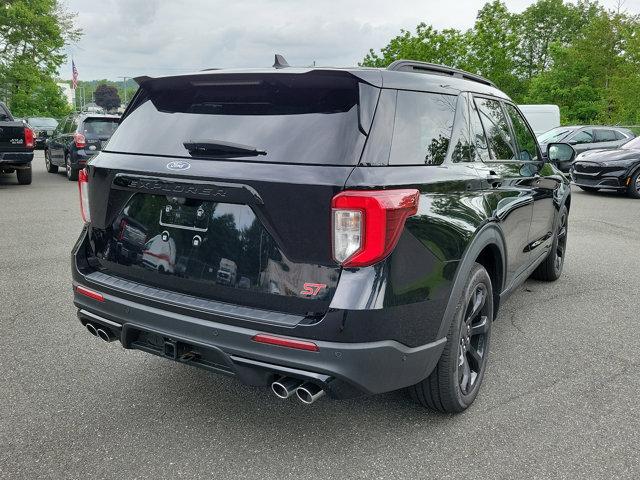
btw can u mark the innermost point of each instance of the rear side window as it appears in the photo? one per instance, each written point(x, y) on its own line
point(583, 136)
point(527, 145)
point(422, 129)
point(605, 136)
point(497, 129)
point(309, 118)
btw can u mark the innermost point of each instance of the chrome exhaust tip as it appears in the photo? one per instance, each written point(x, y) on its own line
point(92, 330)
point(105, 334)
point(309, 392)
point(285, 387)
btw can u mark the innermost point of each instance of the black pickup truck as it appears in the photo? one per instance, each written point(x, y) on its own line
point(17, 142)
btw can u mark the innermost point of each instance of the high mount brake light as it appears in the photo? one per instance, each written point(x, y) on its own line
point(29, 138)
point(80, 140)
point(368, 224)
point(83, 188)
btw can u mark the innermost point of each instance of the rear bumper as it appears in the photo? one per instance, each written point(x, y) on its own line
point(79, 158)
point(343, 369)
point(15, 159)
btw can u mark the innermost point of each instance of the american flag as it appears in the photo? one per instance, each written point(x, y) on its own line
point(74, 75)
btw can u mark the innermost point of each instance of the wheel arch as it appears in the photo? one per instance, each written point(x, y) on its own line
point(488, 249)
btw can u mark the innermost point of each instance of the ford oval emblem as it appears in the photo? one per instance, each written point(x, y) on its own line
point(179, 165)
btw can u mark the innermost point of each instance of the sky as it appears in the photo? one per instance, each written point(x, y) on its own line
point(161, 37)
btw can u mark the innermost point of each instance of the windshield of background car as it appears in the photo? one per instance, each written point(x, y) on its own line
point(554, 135)
point(308, 118)
point(99, 127)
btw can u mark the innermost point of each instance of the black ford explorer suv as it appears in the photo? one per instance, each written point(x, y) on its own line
point(75, 140)
point(318, 230)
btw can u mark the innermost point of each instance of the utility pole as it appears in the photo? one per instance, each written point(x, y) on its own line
point(124, 85)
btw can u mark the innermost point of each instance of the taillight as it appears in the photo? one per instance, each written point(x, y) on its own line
point(368, 224)
point(29, 138)
point(83, 187)
point(80, 140)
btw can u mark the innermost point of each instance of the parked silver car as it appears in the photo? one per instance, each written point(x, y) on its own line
point(584, 138)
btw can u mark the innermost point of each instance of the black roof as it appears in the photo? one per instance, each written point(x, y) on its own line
point(436, 78)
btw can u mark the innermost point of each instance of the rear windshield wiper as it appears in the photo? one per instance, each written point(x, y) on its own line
point(220, 148)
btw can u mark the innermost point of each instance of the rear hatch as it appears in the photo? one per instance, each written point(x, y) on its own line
point(219, 185)
point(12, 137)
point(97, 132)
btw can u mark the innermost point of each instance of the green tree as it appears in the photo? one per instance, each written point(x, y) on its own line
point(593, 78)
point(32, 36)
point(448, 47)
point(106, 96)
point(493, 43)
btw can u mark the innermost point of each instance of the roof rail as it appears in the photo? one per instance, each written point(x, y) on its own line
point(435, 69)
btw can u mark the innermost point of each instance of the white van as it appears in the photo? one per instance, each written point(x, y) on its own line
point(542, 118)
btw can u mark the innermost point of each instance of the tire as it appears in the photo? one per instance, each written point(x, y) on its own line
point(51, 168)
point(633, 190)
point(24, 175)
point(551, 268)
point(72, 173)
point(454, 383)
point(589, 189)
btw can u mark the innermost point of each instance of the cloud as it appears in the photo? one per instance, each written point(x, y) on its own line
point(155, 37)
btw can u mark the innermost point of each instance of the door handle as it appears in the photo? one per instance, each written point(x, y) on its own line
point(493, 178)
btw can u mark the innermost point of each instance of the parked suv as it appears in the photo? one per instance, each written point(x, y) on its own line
point(43, 128)
point(17, 142)
point(375, 221)
point(75, 140)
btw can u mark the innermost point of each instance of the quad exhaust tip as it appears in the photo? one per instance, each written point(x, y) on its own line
point(101, 332)
point(306, 392)
point(105, 334)
point(285, 387)
point(92, 329)
point(309, 392)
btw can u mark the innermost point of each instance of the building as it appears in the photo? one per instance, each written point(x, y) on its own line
point(68, 92)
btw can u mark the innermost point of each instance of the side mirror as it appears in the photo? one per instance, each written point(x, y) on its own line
point(560, 153)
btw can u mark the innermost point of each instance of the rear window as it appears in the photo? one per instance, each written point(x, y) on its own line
point(41, 122)
point(422, 129)
point(309, 118)
point(99, 127)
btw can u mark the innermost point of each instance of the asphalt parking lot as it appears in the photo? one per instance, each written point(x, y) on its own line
point(560, 399)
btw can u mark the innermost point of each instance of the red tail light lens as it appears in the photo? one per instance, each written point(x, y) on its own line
point(285, 342)
point(368, 224)
point(80, 140)
point(83, 187)
point(29, 138)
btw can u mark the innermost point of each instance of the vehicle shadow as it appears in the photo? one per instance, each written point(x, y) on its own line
point(200, 399)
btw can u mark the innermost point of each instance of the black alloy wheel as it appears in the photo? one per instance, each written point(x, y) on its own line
point(473, 343)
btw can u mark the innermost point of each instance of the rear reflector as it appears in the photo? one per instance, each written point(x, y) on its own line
point(29, 138)
point(285, 342)
point(83, 187)
point(89, 293)
point(368, 224)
